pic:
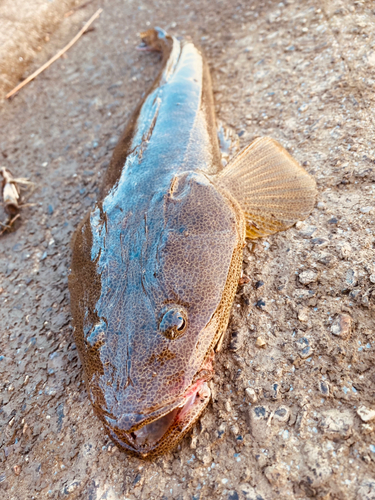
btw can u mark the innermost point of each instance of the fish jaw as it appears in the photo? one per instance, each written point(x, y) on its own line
point(163, 433)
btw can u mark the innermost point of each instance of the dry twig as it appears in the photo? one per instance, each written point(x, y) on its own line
point(55, 57)
point(9, 225)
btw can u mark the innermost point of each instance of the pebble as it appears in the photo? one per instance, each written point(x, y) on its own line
point(337, 424)
point(260, 342)
point(251, 395)
point(243, 280)
point(70, 487)
point(327, 259)
point(303, 346)
point(333, 220)
point(365, 301)
point(204, 455)
point(307, 232)
point(372, 278)
point(221, 430)
point(307, 277)
point(193, 443)
point(17, 470)
point(320, 242)
point(260, 304)
point(345, 250)
point(342, 325)
point(275, 391)
point(354, 294)
point(324, 388)
point(259, 417)
point(137, 481)
point(260, 412)
point(366, 414)
point(235, 430)
point(321, 205)
point(281, 414)
point(303, 315)
point(236, 341)
point(351, 277)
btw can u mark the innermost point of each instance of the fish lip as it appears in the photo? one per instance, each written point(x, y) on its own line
point(196, 398)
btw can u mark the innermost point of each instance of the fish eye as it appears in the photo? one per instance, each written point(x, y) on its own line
point(173, 322)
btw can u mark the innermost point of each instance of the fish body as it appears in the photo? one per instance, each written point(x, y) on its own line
point(156, 262)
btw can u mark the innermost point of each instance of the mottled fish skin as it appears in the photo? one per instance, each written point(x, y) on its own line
point(157, 261)
point(162, 239)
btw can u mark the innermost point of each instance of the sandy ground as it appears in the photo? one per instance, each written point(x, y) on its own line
point(25, 27)
point(293, 419)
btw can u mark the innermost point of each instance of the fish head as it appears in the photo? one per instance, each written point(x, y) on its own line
point(146, 331)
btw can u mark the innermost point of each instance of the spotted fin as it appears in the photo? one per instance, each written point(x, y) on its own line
point(272, 189)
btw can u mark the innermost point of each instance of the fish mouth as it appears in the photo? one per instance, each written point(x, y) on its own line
point(163, 433)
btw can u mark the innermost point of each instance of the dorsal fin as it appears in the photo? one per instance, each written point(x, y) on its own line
point(271, 187)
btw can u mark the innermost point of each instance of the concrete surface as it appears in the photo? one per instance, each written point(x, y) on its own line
point(293, 419)
point(25, 27)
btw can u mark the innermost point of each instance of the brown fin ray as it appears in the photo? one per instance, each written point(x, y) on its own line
point(271, 187)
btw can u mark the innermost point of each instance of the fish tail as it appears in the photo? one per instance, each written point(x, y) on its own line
point(155, 39)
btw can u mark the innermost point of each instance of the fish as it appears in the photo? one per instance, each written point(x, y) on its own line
point(157, 260)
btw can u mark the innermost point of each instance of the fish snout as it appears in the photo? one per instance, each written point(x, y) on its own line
point(160, 432)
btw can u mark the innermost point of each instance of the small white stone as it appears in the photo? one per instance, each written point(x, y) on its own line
point(366, 414)
point(303, 315)
point(72, 487)
point(321, 205)
point(345, 250)
point(260, 342)
point(235, 430)
point(307, 232)
point(307, 277)
point(372, 278)
point(251, 395)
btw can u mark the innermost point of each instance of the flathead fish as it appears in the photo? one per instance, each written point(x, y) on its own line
point(157, 261)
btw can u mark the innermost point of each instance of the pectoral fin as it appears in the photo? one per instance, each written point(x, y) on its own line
point(272, 189)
